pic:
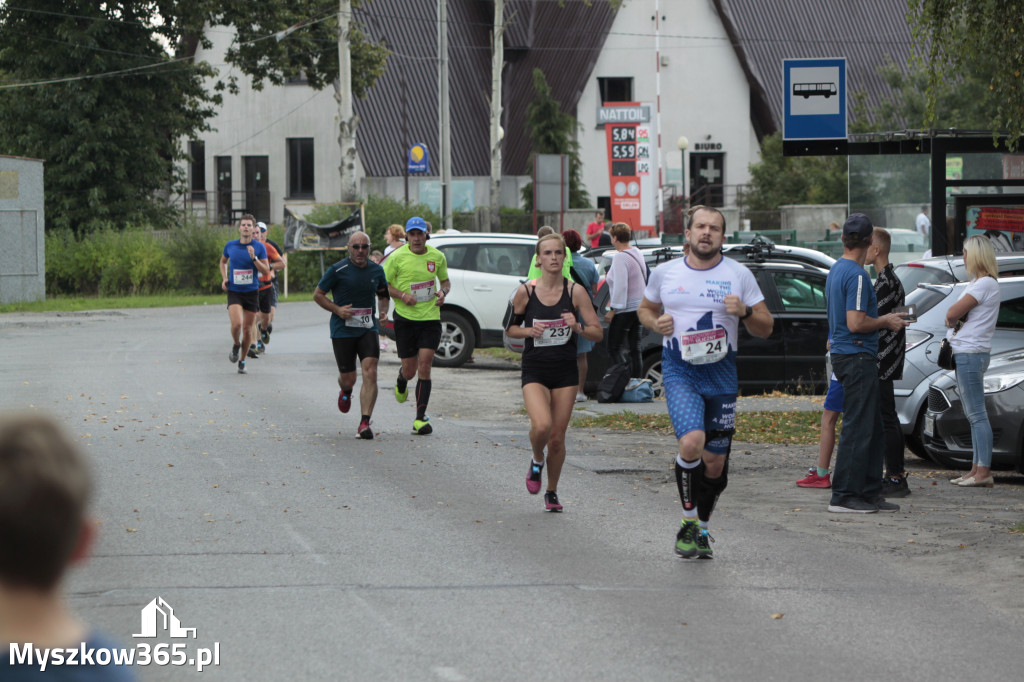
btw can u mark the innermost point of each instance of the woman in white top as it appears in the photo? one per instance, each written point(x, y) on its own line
point(978, 305)
point(395, 237)
point(626, 280)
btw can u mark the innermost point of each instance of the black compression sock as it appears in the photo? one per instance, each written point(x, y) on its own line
point(401, 382)
point(422, 397)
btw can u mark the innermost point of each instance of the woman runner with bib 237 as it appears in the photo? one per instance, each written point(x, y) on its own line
point(544, 313)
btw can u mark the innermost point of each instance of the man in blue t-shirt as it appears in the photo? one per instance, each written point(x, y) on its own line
point(854, 323)
point(354, 283)
point(243, 261)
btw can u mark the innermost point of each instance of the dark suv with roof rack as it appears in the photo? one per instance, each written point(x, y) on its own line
point(792, 358)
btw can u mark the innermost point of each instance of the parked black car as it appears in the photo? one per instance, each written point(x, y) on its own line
point(946, 433)
point(793, 357)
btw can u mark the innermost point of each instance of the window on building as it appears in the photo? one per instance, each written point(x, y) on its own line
point(297, 79)
point(300, 168)
point(615, 89)
point(197, 170)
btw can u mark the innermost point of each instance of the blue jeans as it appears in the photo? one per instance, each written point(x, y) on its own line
point(858, 470)
point(970, 378)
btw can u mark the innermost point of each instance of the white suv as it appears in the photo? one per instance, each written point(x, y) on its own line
point(483, 268)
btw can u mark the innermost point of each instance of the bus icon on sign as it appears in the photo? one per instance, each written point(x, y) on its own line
point(806, 90)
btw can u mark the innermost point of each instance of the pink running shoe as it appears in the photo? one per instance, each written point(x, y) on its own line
point(364, 430)
point(813, 480)
point(551, 501)
point(344, 401)
point(533, 478)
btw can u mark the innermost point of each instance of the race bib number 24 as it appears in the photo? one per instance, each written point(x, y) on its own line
point(703, 347)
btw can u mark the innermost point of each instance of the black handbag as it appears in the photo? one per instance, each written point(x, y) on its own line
point(945, 359)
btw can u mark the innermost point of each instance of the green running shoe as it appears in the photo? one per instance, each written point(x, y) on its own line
point(401, 396)
point(686, 539)
point(704, 541)
point(422, 427)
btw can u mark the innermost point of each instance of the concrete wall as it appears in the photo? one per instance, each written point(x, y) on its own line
point(811, 221)
point(22, 225)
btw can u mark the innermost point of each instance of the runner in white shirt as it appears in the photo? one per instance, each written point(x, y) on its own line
point(696, 303)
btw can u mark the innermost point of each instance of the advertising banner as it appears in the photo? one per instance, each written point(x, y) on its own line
point(300, 235)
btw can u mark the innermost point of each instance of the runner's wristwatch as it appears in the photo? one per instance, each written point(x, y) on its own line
point(750, 311)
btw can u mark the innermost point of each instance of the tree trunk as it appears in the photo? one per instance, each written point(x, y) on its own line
point(348, 121)
point(497, 61)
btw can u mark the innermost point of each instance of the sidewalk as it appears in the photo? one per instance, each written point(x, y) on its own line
point(754, 403)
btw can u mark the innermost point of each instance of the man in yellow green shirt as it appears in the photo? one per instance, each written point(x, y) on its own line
point(417, 277)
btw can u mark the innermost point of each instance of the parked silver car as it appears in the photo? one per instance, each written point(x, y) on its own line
point(947, 431)
point(949, 269)
point(922, 349)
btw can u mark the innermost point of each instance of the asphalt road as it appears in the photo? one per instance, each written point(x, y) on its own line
point(248, 504)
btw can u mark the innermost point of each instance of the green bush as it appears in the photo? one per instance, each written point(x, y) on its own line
point(195, 250)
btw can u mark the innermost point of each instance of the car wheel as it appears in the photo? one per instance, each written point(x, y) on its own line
point(915, 441)
point(652, 370)
point(457, 340)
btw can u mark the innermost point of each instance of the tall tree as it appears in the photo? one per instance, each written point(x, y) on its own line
point(90, 88)
point(982, 36)
point(553, 131)
point(97, 97)
point(777, 180)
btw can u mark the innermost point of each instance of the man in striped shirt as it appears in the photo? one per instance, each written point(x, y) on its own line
point(890, 295)
point(854, 323)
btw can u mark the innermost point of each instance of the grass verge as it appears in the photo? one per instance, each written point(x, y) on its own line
point(780, 428)
point(498, 353)
point(75, 304)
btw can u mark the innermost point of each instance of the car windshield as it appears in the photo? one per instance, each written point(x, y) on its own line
point(913, 275)
point(926, 298)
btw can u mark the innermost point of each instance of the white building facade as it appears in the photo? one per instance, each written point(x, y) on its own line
point(704, 97)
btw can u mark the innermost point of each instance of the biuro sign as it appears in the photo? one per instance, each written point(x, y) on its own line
point(630, 163)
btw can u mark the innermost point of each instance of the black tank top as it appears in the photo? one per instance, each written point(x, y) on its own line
point(547, 348)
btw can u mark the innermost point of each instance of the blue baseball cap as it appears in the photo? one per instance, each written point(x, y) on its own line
point(416, 223)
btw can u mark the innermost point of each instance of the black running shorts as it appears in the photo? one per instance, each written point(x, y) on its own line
point(412, 336)
point(551, 376)
point(249, 300)
point(346, 350)
point(266, 299)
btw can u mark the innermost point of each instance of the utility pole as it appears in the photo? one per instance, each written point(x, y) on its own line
point(348, 121)
point(497, 61)
point(445, 116)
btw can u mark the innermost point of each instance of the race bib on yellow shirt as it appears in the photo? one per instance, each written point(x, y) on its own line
point(422, 291)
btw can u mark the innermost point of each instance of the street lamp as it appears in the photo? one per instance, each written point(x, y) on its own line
point(682, 143)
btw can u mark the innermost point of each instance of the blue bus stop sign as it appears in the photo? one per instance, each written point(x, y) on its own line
point(814, 98)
